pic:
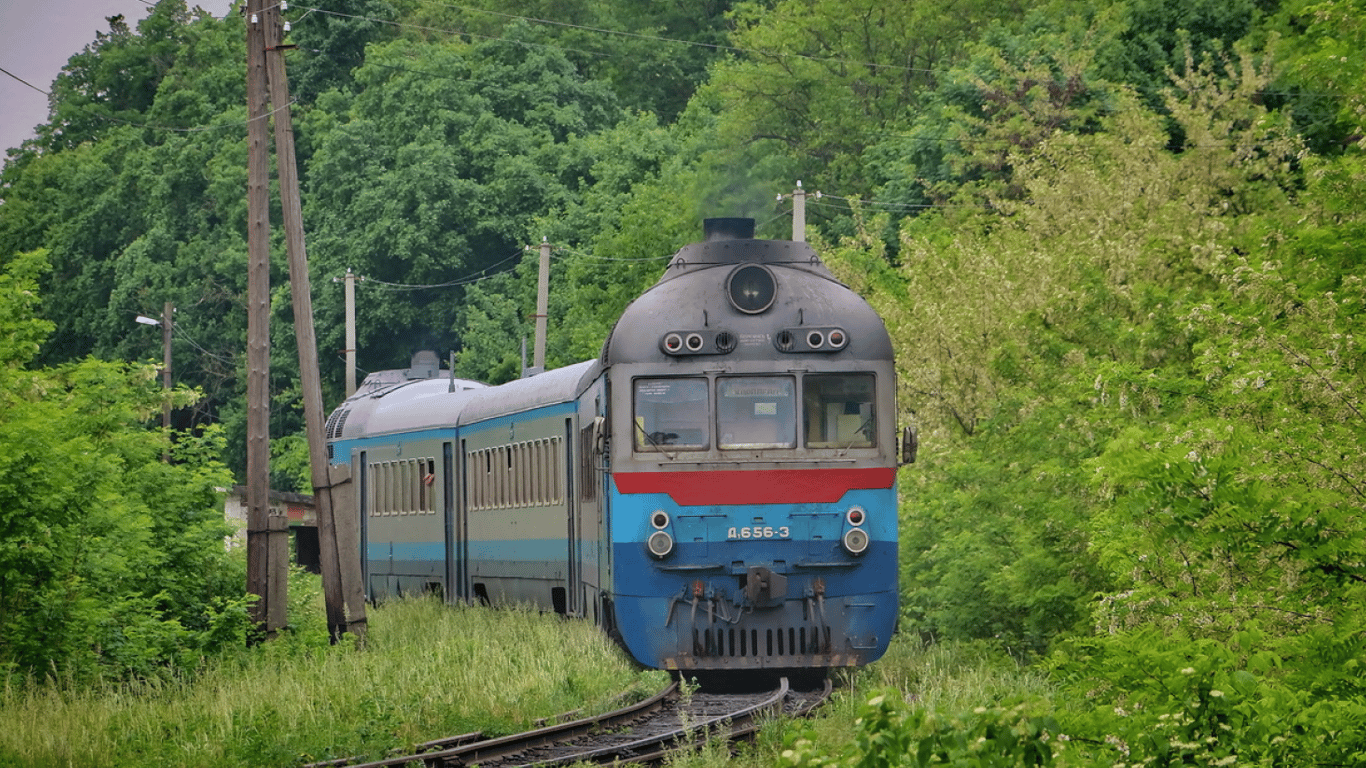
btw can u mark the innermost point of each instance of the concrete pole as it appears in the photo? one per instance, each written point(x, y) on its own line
point(350, 333)
point(799, 214)
point(167, 315)
point(542, 306)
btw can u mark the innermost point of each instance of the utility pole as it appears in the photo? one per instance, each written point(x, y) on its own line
point(351, 333)
point(542, 307)
point(799, 214)
point(166, 314)
point(338, 538)
point(265, 568)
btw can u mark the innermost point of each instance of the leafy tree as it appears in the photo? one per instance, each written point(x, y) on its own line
point(432, 175)
point(1013, 91)
point(111, 560)
point(115, 80)
point(1324, 82)
point(331, 38)
point(820, 80)
point(1156, 38)
point(653, 55)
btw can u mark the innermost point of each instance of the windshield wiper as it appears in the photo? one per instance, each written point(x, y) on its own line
point(655, 439)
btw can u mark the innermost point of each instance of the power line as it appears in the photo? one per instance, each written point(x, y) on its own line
point(649, 38)
point(467, 280)
point(25, 82)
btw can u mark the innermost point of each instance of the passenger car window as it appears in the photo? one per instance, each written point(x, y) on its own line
point(756, 412)
point(838, 411)
point(671, 414)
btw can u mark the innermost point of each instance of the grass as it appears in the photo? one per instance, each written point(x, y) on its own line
point(429, 671)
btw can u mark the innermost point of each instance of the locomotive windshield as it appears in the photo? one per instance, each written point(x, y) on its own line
point(672, 414)
point(838, 410)
point(756, 412)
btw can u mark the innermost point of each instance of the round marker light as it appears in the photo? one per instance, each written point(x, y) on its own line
point(660, 519)
point(694, 342)
point(815, 339)
point(855, 516)
point(837, 339)
point(673, 342)
point(660, 544)
point(856, 541)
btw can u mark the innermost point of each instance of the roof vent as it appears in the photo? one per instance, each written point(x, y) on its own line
point(728, 229)
point(425, 365)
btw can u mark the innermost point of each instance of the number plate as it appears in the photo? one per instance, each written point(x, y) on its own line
point(758, 532)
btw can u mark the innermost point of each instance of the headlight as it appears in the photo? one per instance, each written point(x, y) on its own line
point(751, 288)
point(856, 541)
point(660, 544)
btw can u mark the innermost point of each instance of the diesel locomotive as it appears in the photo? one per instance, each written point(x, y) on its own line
point(717, 489)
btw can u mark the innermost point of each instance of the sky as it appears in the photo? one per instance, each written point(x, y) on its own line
point(37, 37)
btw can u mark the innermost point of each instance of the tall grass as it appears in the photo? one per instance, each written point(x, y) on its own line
point(428, 670)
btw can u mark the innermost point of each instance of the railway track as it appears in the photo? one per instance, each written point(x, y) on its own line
point(645, 732)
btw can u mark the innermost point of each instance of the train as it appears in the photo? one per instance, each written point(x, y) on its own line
point(717, 489)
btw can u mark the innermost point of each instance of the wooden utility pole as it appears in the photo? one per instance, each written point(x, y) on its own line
point(339, 547)
point(267, 534)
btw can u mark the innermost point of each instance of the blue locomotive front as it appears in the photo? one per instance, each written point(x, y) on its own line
point(752, 463)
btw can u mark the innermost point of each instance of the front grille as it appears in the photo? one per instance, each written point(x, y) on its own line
point(774, 641)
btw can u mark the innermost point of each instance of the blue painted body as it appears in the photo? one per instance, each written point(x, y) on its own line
point(664, 604)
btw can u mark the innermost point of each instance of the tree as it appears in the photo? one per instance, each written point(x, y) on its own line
point(111, 560)
point(820, 80)
point(432, 176)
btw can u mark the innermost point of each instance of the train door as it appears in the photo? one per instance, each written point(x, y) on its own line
point(360, 470)
point(452, 509)
point(572, 606)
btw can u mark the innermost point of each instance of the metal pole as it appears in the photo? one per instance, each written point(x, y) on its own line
point(799, 214)
point(342, 590)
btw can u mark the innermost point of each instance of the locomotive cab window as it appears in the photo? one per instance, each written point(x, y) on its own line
point(754, 412)
point(671, 414)
point(838, 411)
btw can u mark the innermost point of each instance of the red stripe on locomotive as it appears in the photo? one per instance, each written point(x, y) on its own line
point(767, 486)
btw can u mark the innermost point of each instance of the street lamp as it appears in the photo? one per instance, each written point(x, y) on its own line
point(165, 322)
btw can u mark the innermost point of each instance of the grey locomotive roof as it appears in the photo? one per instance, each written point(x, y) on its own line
point(692, 296)
point(552, 387)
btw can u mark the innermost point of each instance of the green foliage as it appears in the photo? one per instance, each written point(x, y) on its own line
point(1324, 83)
point(450, 150)
point(1163, 700)
point(1155, 38)
point(818, 81)
point(891, 734)
point(111, 560)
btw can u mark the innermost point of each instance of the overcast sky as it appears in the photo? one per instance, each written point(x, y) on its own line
point(36, 39)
